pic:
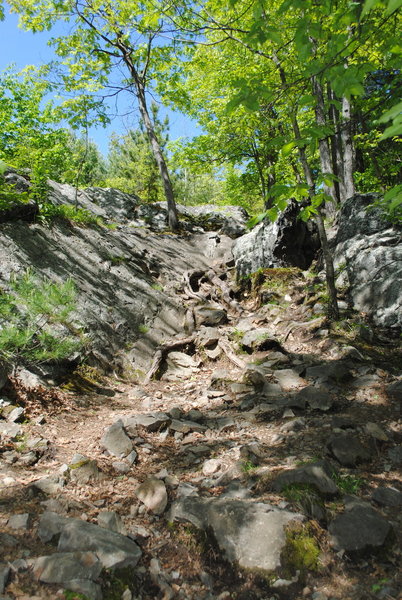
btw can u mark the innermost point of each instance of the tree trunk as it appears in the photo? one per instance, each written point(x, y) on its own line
point(347, 183)
point(160, 160)
point(323, 145)
point(333, 309)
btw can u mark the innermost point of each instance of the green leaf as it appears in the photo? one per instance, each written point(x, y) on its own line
point(392, 131)
point(368, 5)
point(257, 219)
point(391, 113)
point(287, 149)
point(307, 100)
point(393, 5)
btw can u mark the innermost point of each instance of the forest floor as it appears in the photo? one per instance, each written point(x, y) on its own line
point(74, 422)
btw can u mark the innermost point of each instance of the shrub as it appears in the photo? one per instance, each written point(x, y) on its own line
point(35, 320)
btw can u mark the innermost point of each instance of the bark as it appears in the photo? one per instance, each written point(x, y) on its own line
point(323, 145)
point(334, 141)
point(160, 160)
point(347, 185)
point(162, 352)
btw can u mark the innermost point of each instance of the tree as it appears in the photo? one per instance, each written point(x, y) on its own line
point(107, 40)
point(132, 165)
point(307, 61)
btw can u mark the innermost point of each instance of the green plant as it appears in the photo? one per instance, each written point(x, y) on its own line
point(349, 484)
point(377, 587)
point(35, 320)
point(69, 595)
point(157, 286)
point(248, 466)
point(143, 328)
point(49, 213)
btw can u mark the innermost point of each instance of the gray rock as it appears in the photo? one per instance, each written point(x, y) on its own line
point(317, 398)
point(121, 467)
point(16, 414)
point(249, 534)
point(112, 521)
point(395, 455)
point(150, 422)
point(287, 242)
point(89, 589)
point(20, 521)
point(318, 475)
point(83, 470)
point(208, 336)
point(371, 249)
point(65, 566)
point(113, 549)
point(116, 441)
point(394, 390)
point(289, 379)
point(51, 525)
point(49, 485)
point(210, 316)
point(153, 494)
point(11, 431)
point(180, 366)
point(259, 339)
point(359, 529)
point(7, 541)
point(185, 426)
point(347, 449)
point(387, 496)
point(335, 371)
point(4, 573)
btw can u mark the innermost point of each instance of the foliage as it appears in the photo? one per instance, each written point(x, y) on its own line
point(36, 320)
point(132, 165)
point(348, 484)
point(66, 212)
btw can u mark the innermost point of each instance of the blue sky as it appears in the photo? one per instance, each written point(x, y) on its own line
point(24, 48)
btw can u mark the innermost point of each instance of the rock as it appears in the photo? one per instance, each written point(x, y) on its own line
point(20, 521)
point(317, 398)
point(186, 426)
point(121, 467)
point(335, 371)
point(395, 455)
point(376, 432)
point(289, 379)
point(65, 566)
point(208, 336)
point(89, 589)
point(259, 339)
point(28, 459)
point(116, 441)
point(7, 541)
point(359, 529)
point(4, 573)
point(250, 534)
point(50, 526)
point(151, 422)
point(49, 485)
point(112, 521)
point(180, 366)
point(370, 249)
point(114, 550)
point(153, 494)
point(16, 414)
point(287, 242)
point(319, 475)
point(83, 470)
point(347, 449)
point(294, 424)
point(394, 390)
point(211, 466)
point(210, 316)
point(11, 431)
point(387, 496)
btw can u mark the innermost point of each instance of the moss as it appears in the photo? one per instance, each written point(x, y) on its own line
point(117, 582)
point(84, 379)
point(301, 551)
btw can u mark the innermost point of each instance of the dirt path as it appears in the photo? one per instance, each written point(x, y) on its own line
point(232, 416)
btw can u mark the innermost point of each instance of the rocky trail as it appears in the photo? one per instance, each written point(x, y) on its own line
point(262, 461)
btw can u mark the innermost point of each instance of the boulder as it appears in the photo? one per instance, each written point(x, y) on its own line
point(116, 441)
point(348, 449)
point(83, 470)
point(115, 551)
point(359, 529)
point(369, 249)
point(65, 566)
point(289, 241)
point(249, 534)
point(318, 475)
point(153, 494)
point(210, 315)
